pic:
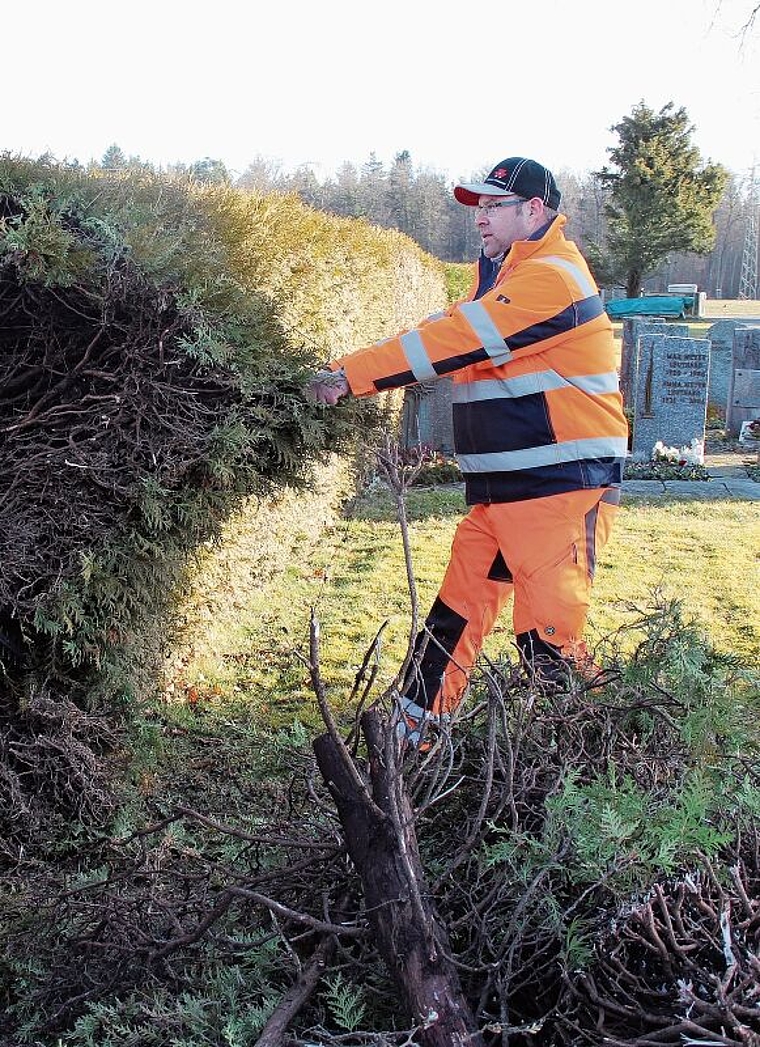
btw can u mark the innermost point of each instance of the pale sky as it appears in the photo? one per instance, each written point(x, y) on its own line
point(460, 85)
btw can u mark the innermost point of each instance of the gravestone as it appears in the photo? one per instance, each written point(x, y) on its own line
point(427, 416)
point(744, 384)
point(634, 328)
point(671, 392)
point(721, 338)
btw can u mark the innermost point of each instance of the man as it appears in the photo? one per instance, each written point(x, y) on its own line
point(539, 432)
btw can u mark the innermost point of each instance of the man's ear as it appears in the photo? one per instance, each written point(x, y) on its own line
point(536, 207)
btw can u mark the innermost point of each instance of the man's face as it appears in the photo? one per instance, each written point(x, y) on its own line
point(501, 220)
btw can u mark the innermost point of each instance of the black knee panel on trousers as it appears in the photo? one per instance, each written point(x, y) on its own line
point(443, 630)
point(543, 661)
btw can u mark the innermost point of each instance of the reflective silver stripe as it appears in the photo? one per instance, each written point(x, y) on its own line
point(437, 316)
point(505, 388)
point(552, 454)
point(414, 350)
point(489, 335)
point(526, 384)
point(596, 384)
point(587, 286)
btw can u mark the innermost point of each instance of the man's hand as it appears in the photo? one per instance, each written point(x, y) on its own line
point(327, 387)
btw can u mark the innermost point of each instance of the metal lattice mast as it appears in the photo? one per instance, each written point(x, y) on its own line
point(748, 278)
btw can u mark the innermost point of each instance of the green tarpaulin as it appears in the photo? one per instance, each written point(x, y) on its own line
point(650, 305)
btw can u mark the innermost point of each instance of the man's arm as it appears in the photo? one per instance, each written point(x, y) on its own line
point(516, 318)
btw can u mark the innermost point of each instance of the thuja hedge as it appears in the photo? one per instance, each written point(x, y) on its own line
point(155, 341)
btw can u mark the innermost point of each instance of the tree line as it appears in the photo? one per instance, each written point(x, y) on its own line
point(655, 214)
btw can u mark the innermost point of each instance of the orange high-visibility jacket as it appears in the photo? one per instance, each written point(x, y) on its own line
point(537, 408)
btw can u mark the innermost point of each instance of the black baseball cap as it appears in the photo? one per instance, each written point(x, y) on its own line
point(513, 176)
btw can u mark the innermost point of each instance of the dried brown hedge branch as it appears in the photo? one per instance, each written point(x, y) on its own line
point(52, 770)
point(683, 962)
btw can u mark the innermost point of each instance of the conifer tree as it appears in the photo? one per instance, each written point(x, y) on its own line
point(660, 197)
point(113, 159)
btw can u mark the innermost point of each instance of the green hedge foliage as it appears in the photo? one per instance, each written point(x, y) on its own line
point(157, 338)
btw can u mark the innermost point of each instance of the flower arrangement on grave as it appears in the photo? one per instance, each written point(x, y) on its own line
point(671, 463)
point(694, 454)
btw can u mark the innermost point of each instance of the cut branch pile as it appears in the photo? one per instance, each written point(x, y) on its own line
point(503, 910)
point(683, 965)
point(553, 871)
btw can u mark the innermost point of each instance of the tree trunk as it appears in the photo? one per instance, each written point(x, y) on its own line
point(633, 284)
point(381, 840)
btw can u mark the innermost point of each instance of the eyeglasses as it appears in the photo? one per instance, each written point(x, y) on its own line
point(488, 209)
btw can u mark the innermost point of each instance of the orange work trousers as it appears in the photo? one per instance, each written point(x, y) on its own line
point(544, 553)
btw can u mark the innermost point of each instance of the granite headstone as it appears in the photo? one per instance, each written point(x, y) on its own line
point(634, 328)
point(427, 417)
point(744, 383)
point(671, 392)
point(721, 338)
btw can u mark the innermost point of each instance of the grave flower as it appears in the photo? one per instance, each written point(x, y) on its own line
point(694, 454)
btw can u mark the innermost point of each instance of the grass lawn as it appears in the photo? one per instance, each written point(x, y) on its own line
point(705, 554)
